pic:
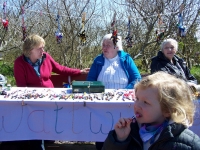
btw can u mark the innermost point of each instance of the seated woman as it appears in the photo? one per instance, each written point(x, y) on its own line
point(114, 67)
point(33, 69)
point(167, 61)
point(35, 66)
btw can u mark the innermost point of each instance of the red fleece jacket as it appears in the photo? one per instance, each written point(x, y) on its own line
point(26, 76)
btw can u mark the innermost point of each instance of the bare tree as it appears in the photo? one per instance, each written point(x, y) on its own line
point(145, 15)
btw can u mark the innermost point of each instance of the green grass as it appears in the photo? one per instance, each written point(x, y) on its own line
point(195, 71)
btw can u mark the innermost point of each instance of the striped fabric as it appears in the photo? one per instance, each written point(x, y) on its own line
point(112, 75)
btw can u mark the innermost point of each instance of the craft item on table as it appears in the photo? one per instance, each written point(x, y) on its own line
point(119, 94)
point(66, 85)
point(160, 30)
point(58, 33)
point(23, 24)
point(59, 95)
point(181, 28)
point(129, 95)
point(114, 31)
point(67, 96)
point(98, 96)
point(87, 86)
point(86, 96)
point(82, 34)
point(109, 96)
point(8, 87)
point(4, 19)
point(3, 92)
point(3, 82)
point(129, 37)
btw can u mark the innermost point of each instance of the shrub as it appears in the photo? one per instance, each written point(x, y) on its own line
point(7, 71)
point(195, 71)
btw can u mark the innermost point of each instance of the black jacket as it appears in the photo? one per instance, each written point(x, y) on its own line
point(179, 68)
point(174, 137)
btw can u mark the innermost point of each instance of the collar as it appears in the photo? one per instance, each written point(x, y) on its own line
point(149, 132)
point(37, 63)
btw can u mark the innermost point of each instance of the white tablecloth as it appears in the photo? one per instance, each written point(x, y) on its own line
point(68, 119)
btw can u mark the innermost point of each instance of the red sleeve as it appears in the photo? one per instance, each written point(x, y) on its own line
point(62, 70)
point(19, 73)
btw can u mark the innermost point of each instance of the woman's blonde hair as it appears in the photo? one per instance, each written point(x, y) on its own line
point(172, 41)
point(31, 42)
point(119, 42)
point(175, 96)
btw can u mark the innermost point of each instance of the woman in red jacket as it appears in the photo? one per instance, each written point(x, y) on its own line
point(33, 69)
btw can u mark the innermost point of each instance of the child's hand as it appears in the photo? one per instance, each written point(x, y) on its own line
point(122, 128)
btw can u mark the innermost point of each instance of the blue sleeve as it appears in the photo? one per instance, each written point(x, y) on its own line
point(95, 69)
point(133, 73)
point(93, 73)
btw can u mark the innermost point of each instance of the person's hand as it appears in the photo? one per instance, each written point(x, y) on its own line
point(122, 128)
point(85, 70)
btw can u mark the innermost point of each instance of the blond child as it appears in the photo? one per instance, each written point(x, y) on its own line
point(163, 111)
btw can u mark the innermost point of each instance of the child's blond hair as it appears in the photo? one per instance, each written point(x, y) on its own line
point(175, 96)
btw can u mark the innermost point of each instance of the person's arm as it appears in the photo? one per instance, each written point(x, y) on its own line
point(111, 143)
point(196, 142)
point(85, 71)
point(95, 69)
point(20, 74)
point(92, 75)
point(119, 139)
point(158, 66)
point(155, 66)
point(134, 75)
point(63, 70)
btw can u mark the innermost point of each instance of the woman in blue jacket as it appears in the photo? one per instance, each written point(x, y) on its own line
point(114, 67)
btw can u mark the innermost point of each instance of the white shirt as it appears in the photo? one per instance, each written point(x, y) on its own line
point(112, 74)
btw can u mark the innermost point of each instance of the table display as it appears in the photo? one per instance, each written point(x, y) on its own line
point(67, 95)
point(58, 114)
